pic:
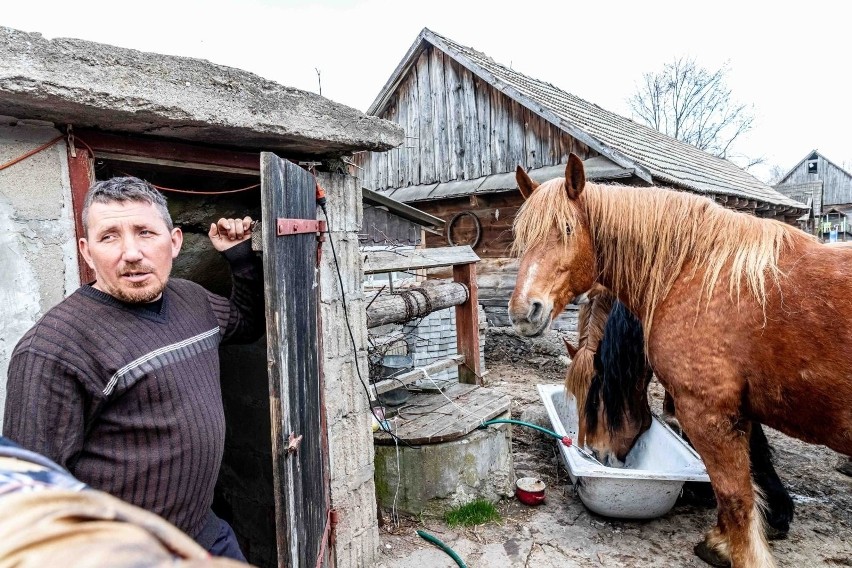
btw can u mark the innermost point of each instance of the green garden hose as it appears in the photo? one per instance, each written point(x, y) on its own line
point(566, 440)
point(437, 542)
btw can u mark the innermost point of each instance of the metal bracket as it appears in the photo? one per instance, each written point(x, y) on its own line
point(299, 226)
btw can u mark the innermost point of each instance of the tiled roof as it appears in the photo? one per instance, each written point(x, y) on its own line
point(624, 141)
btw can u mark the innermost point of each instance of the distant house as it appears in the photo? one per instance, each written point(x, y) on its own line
point(469, 121)
point(826, 188)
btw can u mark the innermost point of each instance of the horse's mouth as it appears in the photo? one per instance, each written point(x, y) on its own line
point(545, 323)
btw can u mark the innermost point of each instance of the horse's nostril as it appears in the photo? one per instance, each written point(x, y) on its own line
point(535, 311)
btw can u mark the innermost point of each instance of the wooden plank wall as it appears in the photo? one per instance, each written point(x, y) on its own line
point(495, 212)
point(459, 127)
point(837, 184)
point(380, 227)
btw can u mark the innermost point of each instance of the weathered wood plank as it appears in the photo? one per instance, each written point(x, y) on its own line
point(532, 139)
point(455, 120)
point(412, 140)
point(438, 89)
point(427, 134)
point(471, 128)
point(402, 120)
point(296, 406)
point(376, 262)
point(409, 303)
point(484, 114)
point(516, 154)
point(409, 377)
point(467, 325)
point(499, 132)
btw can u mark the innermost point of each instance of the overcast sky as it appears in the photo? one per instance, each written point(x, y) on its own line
point(791, 60)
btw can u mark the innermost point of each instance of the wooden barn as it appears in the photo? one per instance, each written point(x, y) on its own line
point(826, 188)
point(469, 121)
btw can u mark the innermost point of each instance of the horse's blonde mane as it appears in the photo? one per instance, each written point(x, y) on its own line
point(670, 231)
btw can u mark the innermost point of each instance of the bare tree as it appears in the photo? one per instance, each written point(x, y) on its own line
point(694, 105)
point(775, 174)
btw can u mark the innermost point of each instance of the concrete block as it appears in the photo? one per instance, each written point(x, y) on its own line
point(435, 477)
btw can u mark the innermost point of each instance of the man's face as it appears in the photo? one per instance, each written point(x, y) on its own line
point(131, 249)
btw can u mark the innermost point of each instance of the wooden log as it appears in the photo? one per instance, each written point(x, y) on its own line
point(404, 305)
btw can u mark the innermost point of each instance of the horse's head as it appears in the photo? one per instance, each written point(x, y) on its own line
point(557, 257)
point(616, 410)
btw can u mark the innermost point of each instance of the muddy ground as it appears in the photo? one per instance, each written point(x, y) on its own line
point(562, 532)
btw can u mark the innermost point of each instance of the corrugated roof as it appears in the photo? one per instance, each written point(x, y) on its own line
point(597, 169)
point(625, 142)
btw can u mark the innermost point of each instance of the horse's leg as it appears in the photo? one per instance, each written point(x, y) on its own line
point(738, 537)
point(779, 504)
point(668, 415)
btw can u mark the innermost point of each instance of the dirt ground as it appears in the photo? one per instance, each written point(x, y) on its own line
point(562, 532)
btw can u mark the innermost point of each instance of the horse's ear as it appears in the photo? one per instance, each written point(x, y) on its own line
point(525, 183)
point(572, 351)
point(575, 176)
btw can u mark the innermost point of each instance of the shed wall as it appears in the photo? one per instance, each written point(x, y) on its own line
point(37, 240)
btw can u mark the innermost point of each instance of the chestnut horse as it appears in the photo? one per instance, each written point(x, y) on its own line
point(615, 411)
point(733, 310)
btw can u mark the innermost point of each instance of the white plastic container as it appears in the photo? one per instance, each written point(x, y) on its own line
point(655, 469)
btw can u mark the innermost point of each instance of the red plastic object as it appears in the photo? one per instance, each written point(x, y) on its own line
point(530, 490)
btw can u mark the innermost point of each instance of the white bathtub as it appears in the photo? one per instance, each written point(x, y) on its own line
point(651, 480)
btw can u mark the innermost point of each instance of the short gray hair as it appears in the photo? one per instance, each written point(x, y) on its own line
point(124, 189)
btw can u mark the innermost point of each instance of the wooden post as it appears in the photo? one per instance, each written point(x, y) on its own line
point(81, 175)
point(467, 325)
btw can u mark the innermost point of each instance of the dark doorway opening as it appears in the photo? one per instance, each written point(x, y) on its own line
point(198, 195)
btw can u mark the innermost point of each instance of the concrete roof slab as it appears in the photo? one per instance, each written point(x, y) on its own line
point(123, 90)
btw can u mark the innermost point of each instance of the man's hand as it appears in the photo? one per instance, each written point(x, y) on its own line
point(226, 233)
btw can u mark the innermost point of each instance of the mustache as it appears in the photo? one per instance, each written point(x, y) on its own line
point(137, 268)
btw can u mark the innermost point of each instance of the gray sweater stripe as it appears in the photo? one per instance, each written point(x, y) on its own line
point(161, 357)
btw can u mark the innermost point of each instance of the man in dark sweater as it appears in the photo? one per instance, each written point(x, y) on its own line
point(119, 383)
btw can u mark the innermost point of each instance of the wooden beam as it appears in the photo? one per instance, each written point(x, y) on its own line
point(404, 379)
point(376, 262)
point(467, 325)
point(175, 163)
point(159, 148)
point(410, 303)
point(81, 175)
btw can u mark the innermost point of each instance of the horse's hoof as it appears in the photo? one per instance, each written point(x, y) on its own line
point(710, 556)
point(775, 534)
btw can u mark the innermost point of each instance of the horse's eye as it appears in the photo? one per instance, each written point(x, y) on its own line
point(567, 229)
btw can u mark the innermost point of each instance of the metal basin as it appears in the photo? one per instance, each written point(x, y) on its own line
point(654, 473)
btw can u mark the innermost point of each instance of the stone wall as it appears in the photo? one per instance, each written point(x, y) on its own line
point(38, 258)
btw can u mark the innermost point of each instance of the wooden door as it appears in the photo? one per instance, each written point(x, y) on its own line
point(295, 389)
